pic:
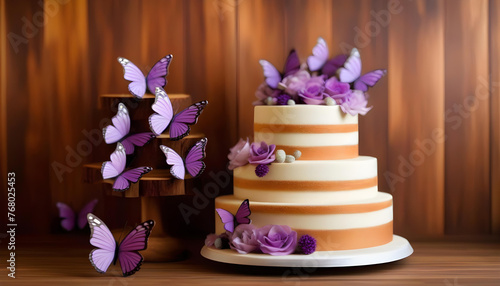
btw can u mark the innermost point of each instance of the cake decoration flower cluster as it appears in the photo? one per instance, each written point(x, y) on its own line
point(259, 154)
point(243, 237)
point(319, 81)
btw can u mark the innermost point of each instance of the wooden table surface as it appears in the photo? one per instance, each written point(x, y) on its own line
point(63, 260)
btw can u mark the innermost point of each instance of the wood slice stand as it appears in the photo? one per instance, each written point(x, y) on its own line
point(158, 183)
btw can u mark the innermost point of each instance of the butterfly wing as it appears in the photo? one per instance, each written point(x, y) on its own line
point(227, 219)
point(128, 251)
point(319, 56)
point(138, 139)
point(120, 127)
point(331, 66)
point(156, 76)
point(82, 215)
point(179, 128)
point(115, 167)
point(194, 164)
point(273, 76)
point(160, 120)
point(122, 182)
point(352, 67)
point(100, 237)
point(67, 216)
point(369, 79)
point(175, 161)
point(243, 213)
point(292, 64)
point(132, 73)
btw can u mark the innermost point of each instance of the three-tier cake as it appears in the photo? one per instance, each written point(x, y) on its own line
point(330, 192)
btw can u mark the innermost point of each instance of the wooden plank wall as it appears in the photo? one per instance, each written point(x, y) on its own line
point(435, 125)
point(494, 92)
point(467, 117)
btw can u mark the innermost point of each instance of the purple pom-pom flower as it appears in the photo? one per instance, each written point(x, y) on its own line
point(261, 170)
point(307, 244)
point(282, 99)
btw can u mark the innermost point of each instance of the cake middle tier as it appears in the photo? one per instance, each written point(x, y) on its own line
point(314, 182)
point(319, 132)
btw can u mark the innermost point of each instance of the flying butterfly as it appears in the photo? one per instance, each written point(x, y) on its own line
point(119, 131)
point(179, 124)
point(116, 169)
point(70, 219)
point(193, 162)
point(108, 250)
point(140, 83)
point(351, 73)
point(273, 76)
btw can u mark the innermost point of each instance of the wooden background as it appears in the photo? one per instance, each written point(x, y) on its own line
point(435, 125)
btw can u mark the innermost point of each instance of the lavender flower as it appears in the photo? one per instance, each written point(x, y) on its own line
point(355, 103)
point(263, 92)
point(239, 154)
point(244, 239)
point(312, 93)
point(296, 82)
point(336, 89)
point(277, 239)
point(261, 155)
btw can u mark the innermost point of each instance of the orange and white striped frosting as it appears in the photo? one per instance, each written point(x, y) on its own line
point(341, 226)
point(320, 132)
point(309, 181)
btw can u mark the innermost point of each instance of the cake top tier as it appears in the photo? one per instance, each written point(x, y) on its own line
point(302, 115)
point(319, 132)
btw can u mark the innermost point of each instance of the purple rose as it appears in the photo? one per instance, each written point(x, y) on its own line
point(312, 93)
point(336, 89)
point(239, 154)
point(263, 92)
point(263, 154)
point(277, 239)
point(296, 82)
point(244, 239)
point(355, 103)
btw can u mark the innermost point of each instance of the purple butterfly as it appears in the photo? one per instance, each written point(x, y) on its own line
point(69, 219)
point(351, 72)
point(193, 163)
point(115, 169)
point(164, 117)
point(273, 76)
point(319, 59)
point(319, 56)
point(109, 251)
point(139, 83)
point(231, 221)
point(118, 131)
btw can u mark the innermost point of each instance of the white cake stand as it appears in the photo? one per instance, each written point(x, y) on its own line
point(398, 249)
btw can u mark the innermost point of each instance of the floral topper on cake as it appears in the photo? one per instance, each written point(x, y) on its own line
point(244, 237)
point(335, 81)
point(259, 154)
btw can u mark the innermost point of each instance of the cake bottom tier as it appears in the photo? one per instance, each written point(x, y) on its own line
point(361, 224)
